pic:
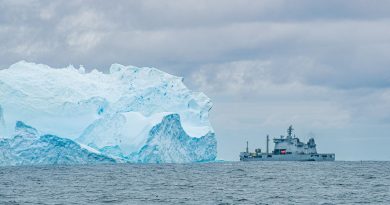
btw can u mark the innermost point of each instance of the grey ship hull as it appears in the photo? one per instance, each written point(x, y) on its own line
point(288, 157)
point(288, 148)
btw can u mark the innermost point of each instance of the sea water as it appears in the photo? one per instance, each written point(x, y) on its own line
point(199, 183)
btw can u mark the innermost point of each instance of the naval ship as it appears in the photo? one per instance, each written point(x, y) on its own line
point(287, 148)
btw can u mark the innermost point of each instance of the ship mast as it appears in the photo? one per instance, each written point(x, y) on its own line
point(267, 143)
point(289, 131)
point(247, 147)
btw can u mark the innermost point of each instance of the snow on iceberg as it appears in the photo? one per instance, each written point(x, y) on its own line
point(115, 114)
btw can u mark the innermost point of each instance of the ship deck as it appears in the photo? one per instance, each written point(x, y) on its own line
point(288, 157)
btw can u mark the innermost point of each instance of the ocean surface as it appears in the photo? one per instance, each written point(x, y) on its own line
point(199, 183)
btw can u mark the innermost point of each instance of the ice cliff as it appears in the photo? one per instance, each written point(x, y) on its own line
point(129, 115)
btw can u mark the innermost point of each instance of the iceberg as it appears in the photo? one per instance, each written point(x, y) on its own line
point(131, 114)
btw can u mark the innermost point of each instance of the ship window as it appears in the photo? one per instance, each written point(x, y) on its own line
point(269, 155)
point(324, 155)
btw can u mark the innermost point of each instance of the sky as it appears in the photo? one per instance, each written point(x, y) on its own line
point(321, 66)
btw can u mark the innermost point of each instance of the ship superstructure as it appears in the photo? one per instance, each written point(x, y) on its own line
point(288, 148)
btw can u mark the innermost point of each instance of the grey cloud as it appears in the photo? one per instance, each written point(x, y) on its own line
point(266, 83)
point(302, 42)
point(181, 37)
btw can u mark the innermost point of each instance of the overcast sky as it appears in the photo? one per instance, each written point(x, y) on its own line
point(322, 66)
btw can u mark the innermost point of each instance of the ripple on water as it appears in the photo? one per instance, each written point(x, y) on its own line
point(209, 183)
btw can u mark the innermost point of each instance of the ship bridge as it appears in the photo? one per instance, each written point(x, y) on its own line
point(291, 144)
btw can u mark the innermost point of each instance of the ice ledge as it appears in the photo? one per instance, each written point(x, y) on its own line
point(25, 130)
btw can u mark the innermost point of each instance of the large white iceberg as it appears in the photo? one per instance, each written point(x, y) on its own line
point(129, 115)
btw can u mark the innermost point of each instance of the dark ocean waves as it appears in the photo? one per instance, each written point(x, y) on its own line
point(199, 183)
